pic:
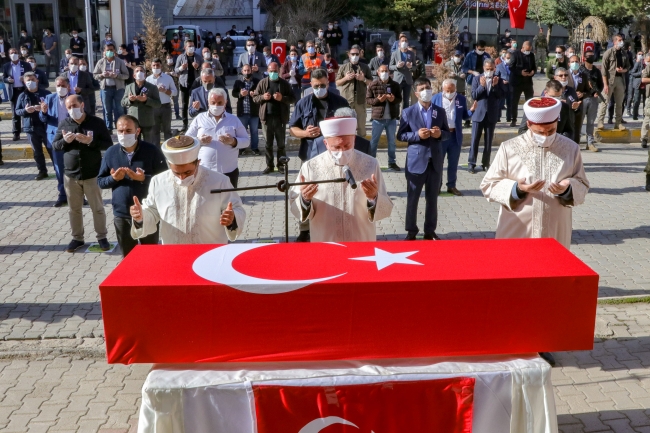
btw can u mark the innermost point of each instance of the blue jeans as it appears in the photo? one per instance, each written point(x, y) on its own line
point(252, 125)
point(378, 126)
point(112, 102)
point(451, 148)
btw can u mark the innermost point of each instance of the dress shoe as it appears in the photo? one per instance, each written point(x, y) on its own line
point(74, 246)
point(393, 166)
point(41, 176)
point(410, 237)
point(592, 147)
point(85, 202)
point(623, 121)
point(246, 152)
point(635, 117)
point(2, 162)
point(431, 237)
point(454, 191)
point(281, 169)
point(16, 137)
point(513, 123)
point(546, 356)
point(256, 152)
point(644, 143)
point(303, 236)
point(104, 245)
point(472, 169)
point(60, 203)
point(466, 124)
point(268, 170)
point(610, 121)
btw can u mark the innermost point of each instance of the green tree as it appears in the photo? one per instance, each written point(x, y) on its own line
point(399, 15)
point(618, 13)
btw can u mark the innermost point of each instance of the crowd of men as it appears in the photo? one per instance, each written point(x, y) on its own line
point(296, 97)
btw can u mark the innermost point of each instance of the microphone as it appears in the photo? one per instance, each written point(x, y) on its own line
point(348, 177)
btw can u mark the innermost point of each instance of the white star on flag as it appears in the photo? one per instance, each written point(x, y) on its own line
point(384, 258)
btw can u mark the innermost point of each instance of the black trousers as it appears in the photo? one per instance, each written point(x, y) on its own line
point(431, 180)
point(15, 120)
point(274, 129)
point(527, 90)
point(234, 177)
point(124, 239)
point(477, 130)
point(185, 100)
point(633, 100)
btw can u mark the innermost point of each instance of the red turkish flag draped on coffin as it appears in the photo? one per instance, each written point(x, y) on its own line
point(518, 10)
point(441, 406)
point(279, 48)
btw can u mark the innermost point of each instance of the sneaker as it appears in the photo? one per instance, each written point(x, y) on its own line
point(600, 125)
point(592, 147)
point(104, 245)
point(16, 137)
point(268, 170)
point(74, 246)
point(393, 166)
point(620, 127)
point(303, 236)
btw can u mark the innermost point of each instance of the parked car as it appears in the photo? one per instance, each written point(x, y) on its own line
point(195, 33)
point(240, 45)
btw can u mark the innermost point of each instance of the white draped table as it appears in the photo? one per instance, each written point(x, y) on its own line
point(511, 393)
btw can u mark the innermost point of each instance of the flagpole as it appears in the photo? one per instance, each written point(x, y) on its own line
point(477, 7)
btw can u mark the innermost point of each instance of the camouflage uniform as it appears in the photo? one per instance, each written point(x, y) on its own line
point(541, 50)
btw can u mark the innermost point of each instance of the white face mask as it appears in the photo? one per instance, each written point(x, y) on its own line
point(341, 157)
point(189, 180)
point(62, 91)
point(218, 40)
point(320, 34)
point(425, 95)
point(170, 61)
point(207, 56)
point(320, 93)
point(135, 42)
point(449, 95)
point(564, 83)
point(156, 71)
point(250, 49)
point(23, 52)
point(74, 35)
point(217, 110)
point(33, 65)
point(83, 68)
point(31, 85)
point(488, 74)
point(119, 51)
point(67, 55)
point(569, 54)
point(13, 56)
point(139, 76)
point(479, 52)
point(380, 54)
point(526, 52)
point(126, 140)
point(456, 60)
point(559, 55)
point(383, 76)
point(354, 59)
point(404, 45)
point(543, 140)
point(75, 113)
point(163, 40)
point(190, 50)
point(74, 68)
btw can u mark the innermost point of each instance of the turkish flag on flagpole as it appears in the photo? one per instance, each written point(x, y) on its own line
point(439, 405)
point(518, 10)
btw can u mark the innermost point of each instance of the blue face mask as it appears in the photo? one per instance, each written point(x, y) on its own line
point(293, 58)
point(311, 50)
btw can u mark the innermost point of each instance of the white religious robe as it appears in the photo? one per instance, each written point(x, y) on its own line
point(189, 214)
point(539, 214)
point(339, 213)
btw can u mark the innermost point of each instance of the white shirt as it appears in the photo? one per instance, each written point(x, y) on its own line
point(450, 109)
point(166, 81)
point(16, 73)
point(136, 51)
point(216, 155)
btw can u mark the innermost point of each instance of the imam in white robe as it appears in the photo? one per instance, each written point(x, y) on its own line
point(189, 214)
point(539, 214)
point(339, 213)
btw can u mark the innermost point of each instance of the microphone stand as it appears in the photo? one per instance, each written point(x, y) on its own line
point(282, 186)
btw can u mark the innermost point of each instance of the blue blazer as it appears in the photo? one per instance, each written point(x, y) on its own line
point(470, 64)
point(504, 71)
point(198, 94)
point(51, 118)
point(416, 152)
point(462, 113)
point(487, 103)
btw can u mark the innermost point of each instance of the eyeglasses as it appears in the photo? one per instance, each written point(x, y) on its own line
point(320, 86)
point(562, 75)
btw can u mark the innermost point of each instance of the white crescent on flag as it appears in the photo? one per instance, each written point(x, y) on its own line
point(278, 50)
point(319, 424)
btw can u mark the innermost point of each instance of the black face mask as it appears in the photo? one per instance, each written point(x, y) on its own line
point(589, 59)
point(247, 76)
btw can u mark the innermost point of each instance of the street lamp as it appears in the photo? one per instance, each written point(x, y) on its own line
point(589, 30)
point(278, 29)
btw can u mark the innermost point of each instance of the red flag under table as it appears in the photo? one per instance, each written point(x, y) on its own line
point(440, 406)
point(363, 300)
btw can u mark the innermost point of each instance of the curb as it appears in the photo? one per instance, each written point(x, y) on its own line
point(5, 115)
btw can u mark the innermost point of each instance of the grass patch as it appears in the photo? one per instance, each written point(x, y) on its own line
point(626, 300)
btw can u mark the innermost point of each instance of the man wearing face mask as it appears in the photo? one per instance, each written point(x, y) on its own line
point(354, 38)
point(141, 99)
point(127, 169)
point(487, 90)
point(379, 60)
point(205, 81)
point(229, 52)
point(40, 74)
point(27, 41)
point(333, 39)
point(77, 44)
point(524, 68)
point(565, 122)
point(320, 43)
point(309, 62)
point(402, 63)
point(352, 80)
point(289, 72)
point(63, 64)
point(82, 137)
point(504, 71)
point(473, 67)
point(81, 83)
point(634, 87)
point(179, 200)
point(591, 101)
point(426, 40)
point(253, 58)
point(188, 67)
point(581, 83)
point(335, 211)
point(559, 61)
point(111, 73)
point(214, 62)
point(172, 73)
point(274, 97)
point(384, 97)
point(537, 178)
point(28, 107)
point(506, 41)
point(162, 116)
point(49, 44)
point(455, 65)
point(221, 136)
point(13, 77)
point(248, 112)
point(424, 127)
point(269, 58)
point(136, 50)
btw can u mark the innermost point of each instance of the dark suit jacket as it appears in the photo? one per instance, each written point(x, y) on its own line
point(564, 123)
point(416, 152)
point(521, 63)
point(80, 42)
point(6, 71)
point(85, 83)
point(488, 102)
point(42, 78)
point(141, 53)
point(218, 82)
point(236, 89)
point(318, 146)
point(462, 113)
point(305, 113)
point(287, 98)
point(635, 74)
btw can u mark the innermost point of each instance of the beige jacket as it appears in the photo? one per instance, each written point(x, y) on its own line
point(609, 65)
point(120, 66)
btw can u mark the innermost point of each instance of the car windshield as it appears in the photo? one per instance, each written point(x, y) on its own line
point(240, 42)
point(189, 32)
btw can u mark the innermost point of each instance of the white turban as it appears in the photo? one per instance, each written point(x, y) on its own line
point(181, 149)
point(338, 126)
point(542, 110)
